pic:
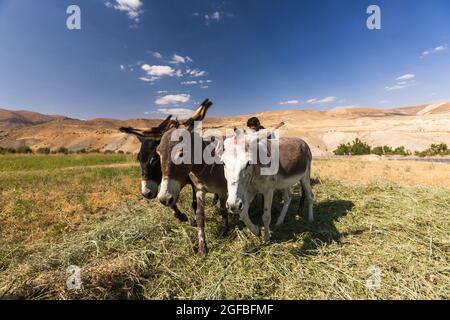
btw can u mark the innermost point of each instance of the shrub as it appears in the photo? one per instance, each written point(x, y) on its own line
point(43, 150)
point(386, 150)
point(342, 150)
point(378, 151)
point(62, 150)
point(440, 149)
point(357, 147)
point(401, 151)
point(24, 149)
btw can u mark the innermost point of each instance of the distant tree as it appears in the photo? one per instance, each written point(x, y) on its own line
point(440, 149)
point(357, 147)
point(401, 151)
point(342, 149)
point(43, 150)
point(378, 151)
point(62, 150)
point(24, 149)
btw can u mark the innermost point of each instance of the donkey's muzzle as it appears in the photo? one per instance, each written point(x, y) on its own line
point(149, 195)
point(167, 200)
point(236, 206)
point(149, 189)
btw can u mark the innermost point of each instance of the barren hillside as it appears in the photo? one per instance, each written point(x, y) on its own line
point(413, 127)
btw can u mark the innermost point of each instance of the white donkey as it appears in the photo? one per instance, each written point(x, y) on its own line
point(246, 178)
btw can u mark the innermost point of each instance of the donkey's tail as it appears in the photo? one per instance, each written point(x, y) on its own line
point(301, 205)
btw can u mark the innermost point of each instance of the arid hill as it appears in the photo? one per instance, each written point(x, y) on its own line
point(413, 127)
point(18, 119)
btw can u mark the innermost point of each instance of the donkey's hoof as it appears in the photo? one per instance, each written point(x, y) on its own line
point(181, 217)
point(278, 224)
point(256, 231)
point(202, 250)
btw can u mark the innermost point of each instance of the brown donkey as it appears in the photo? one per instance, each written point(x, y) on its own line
point(205, 177)
point(151, 164)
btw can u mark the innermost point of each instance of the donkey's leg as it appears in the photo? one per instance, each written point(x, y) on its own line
point(268, 197)
point(306, 185)
point(244, 216)
point(286, 202)
point(194, 204)
point(301, 204)
point(200, 219)
point(178, 214)
point(224, 213)
point(215, 199)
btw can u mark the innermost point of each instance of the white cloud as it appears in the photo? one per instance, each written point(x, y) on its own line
point(177, 59)
point(158, 71)
point(156, 55)
point(395, 87)
point(196, 73)
point(173, 99)
point(180, 113)
point(319, 101)
point(435, 50)
point(131, 7)
point(189, 82)
point(404, 77)
point(161, 91)
point(289, 102)
point(148, 79)
point(215, 16)
point(122, 67)
point(403, 81)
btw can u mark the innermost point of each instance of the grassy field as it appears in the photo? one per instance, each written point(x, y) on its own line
point(384, 215)
point(47, 162)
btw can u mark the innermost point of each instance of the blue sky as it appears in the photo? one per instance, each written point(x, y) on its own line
point(138, 58)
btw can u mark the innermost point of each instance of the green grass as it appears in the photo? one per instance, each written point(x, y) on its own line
point(136, 249)
point(47, 162)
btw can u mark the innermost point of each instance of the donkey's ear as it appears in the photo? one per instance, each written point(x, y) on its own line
point(163, 125)
point(199, 114)
point(135, 132)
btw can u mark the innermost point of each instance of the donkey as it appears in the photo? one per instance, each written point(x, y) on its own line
point(205, 177)
point(245, 179)
point(151, 164)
